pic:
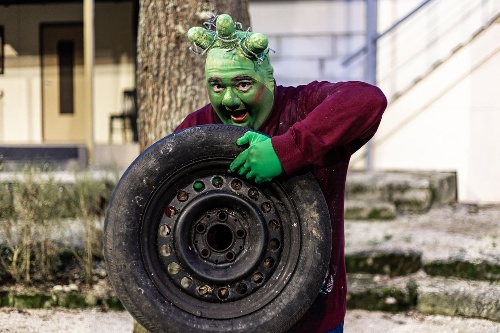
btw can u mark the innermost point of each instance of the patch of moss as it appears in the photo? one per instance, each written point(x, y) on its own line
point(380, 299)
point(113, 303)
point(463, 269)
point(380, 214)
point(4, 298)
point(72, 301)
point(38, 301)
point(392, 263)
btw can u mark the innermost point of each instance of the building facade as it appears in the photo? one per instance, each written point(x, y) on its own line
point(436, 62)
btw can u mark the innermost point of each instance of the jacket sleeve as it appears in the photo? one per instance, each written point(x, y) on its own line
point(346, 116)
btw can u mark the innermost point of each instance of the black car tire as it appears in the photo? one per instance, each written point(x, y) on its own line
point(192, 247)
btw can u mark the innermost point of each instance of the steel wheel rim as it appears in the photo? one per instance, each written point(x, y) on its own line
point(256, 285)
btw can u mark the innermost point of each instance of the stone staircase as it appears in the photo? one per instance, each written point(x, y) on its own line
point(411, 246)
point(385, 194)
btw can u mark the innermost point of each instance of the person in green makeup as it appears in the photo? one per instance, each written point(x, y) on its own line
point(241, 92)
point(317, 126)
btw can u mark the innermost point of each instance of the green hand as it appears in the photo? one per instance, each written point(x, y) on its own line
point(259, 161)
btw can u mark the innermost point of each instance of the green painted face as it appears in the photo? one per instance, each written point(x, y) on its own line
point(240, 90)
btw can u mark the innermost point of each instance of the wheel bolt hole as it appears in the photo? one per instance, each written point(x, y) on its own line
point(268, 262)
point(198, 186)
point(273, 225)
point(222, 215)
point(173, 268)
point(266, 207)
point(205, 290)
point(186, 282)
point(165, 250)
point(170, 211)
point(240, 233)
point(274, 244)
point(253, 193)
point(230, 256)
point(257, 277)
point(217, 182)
point(205, 253)
point(219, 237)
point(182, 196)
point(236, 184)
point(223, 293)
point(165, 230)
point(241, 288)
point(200, 228)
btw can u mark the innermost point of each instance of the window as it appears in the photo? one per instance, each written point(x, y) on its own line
point(66, 55)
point(1, 49)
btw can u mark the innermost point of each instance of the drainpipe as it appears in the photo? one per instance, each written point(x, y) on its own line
point(88, 69)
point(371, 60)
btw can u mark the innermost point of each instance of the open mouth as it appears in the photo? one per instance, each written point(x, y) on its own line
point(238, 116)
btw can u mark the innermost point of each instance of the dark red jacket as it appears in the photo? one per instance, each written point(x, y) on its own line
point(319, 125)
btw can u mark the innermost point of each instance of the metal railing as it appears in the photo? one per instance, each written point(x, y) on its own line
point(414, 45)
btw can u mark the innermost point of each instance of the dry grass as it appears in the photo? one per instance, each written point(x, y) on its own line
point(42, 218)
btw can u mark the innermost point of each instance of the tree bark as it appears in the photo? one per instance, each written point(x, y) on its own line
point(170, 78)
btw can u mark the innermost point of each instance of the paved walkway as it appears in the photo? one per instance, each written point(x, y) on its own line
point(357, 321)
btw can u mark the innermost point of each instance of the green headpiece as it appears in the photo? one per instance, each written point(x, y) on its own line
point(222, 32)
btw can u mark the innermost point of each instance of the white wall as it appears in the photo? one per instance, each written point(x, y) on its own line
point(449, 121)
point(311, 38)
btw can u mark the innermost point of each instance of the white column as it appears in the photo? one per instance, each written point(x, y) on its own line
point(88, 64)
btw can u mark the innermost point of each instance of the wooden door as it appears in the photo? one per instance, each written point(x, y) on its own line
point(62, 83)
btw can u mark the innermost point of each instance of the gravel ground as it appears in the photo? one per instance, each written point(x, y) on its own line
point(357, 321)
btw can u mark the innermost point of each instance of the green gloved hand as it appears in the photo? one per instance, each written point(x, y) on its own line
point(259, 161)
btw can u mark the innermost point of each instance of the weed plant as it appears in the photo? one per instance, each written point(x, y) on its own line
point(90, 199)
point(41, 218)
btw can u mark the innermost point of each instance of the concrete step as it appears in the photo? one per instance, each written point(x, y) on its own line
point(367, 210)
point(457, 240)
point(408, 192)
point(428, 295)
point(443, 262)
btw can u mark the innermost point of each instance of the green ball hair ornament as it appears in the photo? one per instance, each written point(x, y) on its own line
point(225, 25)
point(222, 32)
point(256, 43)
point(202, 37)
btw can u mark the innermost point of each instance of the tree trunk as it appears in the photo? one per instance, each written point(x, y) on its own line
point(170, 78)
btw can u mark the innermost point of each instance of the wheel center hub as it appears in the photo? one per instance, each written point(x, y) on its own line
point(219, 237)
